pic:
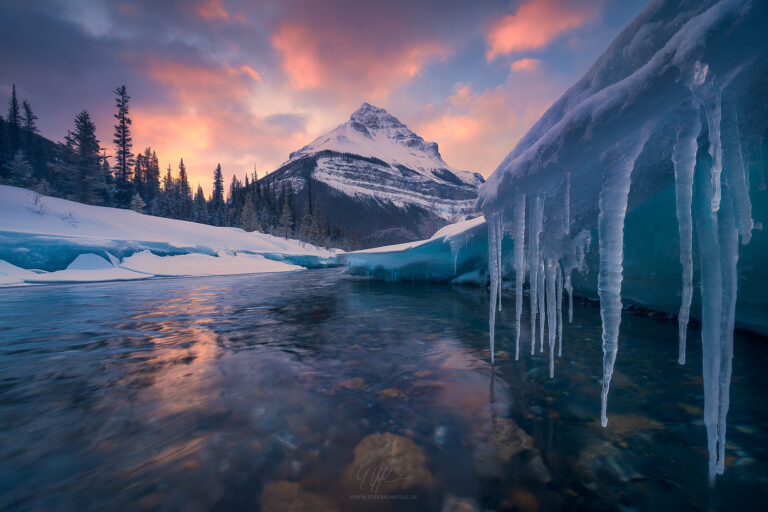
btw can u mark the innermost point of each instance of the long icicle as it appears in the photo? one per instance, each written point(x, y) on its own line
point(711, 311)
point(567, 201)
point(551, 277)
point(535, 215)
point(499, 241)
point(542, 296)
point(493, 273)
point(519, 267)
point(613, 208)
point(684, 160)
point(559, 286)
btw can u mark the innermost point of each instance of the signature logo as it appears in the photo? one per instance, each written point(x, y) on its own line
point(372, 476)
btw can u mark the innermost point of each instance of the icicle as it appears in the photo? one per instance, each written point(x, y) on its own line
point(729, 256)
point(613, 209)
point(559, 286)
point(499, 223)
point(541, 297)
point(761, 165)
point(684, 160)
point(494, 275)
point(519, 266)
point(569, 289)
point(711, 313)
point(567, 200)
point(735, 176)
point(535, 222)
point(551, 277)
point(704, 90)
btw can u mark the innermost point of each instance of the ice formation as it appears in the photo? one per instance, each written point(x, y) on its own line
point(675, 98)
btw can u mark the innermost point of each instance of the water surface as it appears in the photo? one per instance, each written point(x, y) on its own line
point(197, 393)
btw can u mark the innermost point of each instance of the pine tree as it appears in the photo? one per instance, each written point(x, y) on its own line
point(167, 196)
point(248, 219)
point(285, 227)
point(21, 170)
point(185, 193)
point(200, 207)
point(106, 175)
point(29, 118)
point(29, 126)
point(124, 145)
point(14, 122)
point(217, 198)
point(137, 203)
point(4, 170)
point(87, 183)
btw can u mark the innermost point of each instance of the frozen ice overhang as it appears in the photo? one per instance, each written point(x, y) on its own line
point(677, 102)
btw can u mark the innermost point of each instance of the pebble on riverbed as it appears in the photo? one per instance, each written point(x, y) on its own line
point(387, 463)
point(284, 495)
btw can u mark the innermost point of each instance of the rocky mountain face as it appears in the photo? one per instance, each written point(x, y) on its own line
point(377, 180)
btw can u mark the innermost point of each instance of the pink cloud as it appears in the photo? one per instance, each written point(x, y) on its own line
point(477, 129)
point(323, 56)
point(535, 24)
point(212, 10)
point(525, 64)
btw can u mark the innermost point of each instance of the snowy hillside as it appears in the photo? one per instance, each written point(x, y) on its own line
point(379, 180)
point(44, 239)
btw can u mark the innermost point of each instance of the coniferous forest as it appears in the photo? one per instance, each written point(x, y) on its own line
point(79, 169)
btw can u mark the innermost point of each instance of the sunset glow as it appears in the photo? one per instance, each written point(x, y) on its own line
point(244, 85)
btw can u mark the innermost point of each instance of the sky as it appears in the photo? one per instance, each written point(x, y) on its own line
point(245, 83)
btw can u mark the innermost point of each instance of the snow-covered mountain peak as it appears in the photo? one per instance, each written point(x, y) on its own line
point(372, 132)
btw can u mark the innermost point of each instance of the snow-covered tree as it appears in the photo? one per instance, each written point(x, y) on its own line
point(21, 171)
point(137, 203)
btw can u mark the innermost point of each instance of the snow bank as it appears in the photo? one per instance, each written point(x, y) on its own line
point(45, 239)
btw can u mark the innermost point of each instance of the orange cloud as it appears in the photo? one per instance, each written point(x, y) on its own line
point(525, 64)
point(212, 10)
point(476, 130)
point(326, 58)
point(536, 24)
point(196, 83)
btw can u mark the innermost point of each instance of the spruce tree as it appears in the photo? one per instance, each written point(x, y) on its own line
point(285, 227)
point(21, 170)
point(185, 193)
point(200, 207)
point(124, 145)
point(14, 122)
point(106, 176)
point(217, 198)
point(167, 196)
point(4, 158)
point(248, 219)
point(137, 203)
point(87, 183)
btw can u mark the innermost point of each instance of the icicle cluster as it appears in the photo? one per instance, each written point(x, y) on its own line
point(714, 202)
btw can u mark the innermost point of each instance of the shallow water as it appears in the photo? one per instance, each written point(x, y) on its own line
point(196, 393)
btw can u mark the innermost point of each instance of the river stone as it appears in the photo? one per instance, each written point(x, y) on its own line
point(287, 496)
point(508, 438)
point(454, 504)
point(387, 463)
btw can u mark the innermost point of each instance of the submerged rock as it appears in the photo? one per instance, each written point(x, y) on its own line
point(387, 463)
point(351, 384)
point(391, 393)
point(290, 497)
point(454, 504)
